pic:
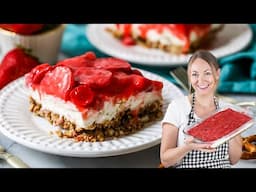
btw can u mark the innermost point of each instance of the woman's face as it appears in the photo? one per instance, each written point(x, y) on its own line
point(202, 77)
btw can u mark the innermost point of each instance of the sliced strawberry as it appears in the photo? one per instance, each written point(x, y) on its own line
point(89, 55)
point(128, 40)
point(121, 77)
point(157, 85)
point(112, 64)
point(132, 82)
point(82, 95)
point(96, 78)
point(127, 29)
point(137, 72)
point(58, 82)
point(140, 83)
point(119, 82)
point(85, 60)
point(127, 85)
point(37, 73)
point(40, 71)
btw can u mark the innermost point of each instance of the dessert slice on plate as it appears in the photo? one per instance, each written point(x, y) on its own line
point(173, 38)
point(93, 99)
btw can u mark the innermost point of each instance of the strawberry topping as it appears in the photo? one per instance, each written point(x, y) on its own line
point(58, 82)
point(82, 95)
point(128, 40)
point(112, 64)
point(96, 78)
point(72, 80)
point(180, 31)
point(37, 73)
point(85, 60)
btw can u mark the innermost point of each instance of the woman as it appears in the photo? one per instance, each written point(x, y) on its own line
point(183, 152)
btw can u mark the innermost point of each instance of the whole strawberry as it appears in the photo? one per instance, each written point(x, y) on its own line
point(15, 64)
point(23, 29)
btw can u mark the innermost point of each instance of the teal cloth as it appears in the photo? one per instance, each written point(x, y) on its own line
point(238, 71)
point(75, 43)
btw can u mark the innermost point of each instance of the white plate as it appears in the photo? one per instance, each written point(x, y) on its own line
point(233, 38)
point(20, 125)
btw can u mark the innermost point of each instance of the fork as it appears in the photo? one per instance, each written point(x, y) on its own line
point(11, 159)
point(180, 75)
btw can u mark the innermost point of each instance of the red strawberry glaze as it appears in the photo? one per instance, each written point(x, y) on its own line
point(127, 34)
point(89, 87)
point(85, 60)
point(36, 74)
point(112, 64)
point(181, 31)
point(58, 82)
point(95, 78)
point(219, 125)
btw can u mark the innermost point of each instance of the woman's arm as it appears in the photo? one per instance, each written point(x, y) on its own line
point(170, 154)
point(235, 149)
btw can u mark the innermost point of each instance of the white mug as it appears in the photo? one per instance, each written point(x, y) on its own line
point(45, 46)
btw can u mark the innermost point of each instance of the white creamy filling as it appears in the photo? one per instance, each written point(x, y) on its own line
point(135, 30)
point(166, 37)
point(108, 112)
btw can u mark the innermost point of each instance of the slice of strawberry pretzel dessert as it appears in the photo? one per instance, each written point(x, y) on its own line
point(94, 99)
point(172, 38)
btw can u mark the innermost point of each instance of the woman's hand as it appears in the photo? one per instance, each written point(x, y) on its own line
point(193, 145)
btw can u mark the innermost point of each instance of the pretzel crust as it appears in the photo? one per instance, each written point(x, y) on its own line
point(249, 147)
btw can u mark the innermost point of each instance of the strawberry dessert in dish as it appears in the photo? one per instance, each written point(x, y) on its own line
point(172, 38)
point(94, 99)
point(221, 126)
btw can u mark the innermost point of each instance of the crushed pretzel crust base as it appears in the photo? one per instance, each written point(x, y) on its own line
point(123, 124)
point(201, 42)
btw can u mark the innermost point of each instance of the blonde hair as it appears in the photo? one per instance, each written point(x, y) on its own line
point(206, 56)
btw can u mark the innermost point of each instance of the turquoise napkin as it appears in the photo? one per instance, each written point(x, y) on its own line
point(238, 71)
point(75, 43)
